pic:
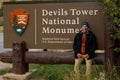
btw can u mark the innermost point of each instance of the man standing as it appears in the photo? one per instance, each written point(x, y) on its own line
point(84, 48)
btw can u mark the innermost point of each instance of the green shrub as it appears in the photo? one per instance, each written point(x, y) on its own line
point(62, 72)
point(1, 12)
point(4, 71)
point(50, 72)
point(1, 23)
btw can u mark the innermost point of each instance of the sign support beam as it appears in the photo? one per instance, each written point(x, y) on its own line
point(19, 65)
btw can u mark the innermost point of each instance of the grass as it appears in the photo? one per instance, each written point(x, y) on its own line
point(1, 25)
point(1, 29)
point(4, 71)
point(50, 72)
point(61, 72)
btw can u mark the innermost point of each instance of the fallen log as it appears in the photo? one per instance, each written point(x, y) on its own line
point(48, 57)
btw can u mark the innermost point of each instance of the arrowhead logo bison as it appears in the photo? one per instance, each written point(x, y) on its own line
point(19, 21)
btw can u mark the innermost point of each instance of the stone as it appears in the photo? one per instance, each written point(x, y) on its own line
point(12, 76)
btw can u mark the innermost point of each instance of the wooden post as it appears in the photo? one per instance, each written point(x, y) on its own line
point(19, 65)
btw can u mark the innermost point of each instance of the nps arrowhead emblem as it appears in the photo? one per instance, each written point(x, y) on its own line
point(19, 21)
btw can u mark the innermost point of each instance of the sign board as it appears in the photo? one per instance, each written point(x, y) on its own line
point(52, 25)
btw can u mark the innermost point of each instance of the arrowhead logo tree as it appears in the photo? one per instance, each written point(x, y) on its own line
point(19, 21)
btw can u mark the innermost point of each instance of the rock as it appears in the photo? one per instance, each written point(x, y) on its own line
point(12, 76)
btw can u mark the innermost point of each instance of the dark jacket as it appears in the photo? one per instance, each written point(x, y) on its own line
point(90, 45)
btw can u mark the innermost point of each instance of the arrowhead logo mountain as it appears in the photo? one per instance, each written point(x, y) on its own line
point(19, 21)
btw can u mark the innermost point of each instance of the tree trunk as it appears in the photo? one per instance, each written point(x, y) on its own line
point(109, 53)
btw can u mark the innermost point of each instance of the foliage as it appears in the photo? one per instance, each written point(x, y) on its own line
point(117, 49)
point(1, 22)
point(112, 8)
point(1, 12)
point(4, 71)
point(61, 72)
point(12, 0)
point(50, 72)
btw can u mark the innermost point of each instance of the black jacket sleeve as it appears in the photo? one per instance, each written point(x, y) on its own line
point(76, 45)
point(91, 52)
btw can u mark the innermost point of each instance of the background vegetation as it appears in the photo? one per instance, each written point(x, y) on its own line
point(60, 72)
point(112, 8)
point(4, 71)
point(63, 72)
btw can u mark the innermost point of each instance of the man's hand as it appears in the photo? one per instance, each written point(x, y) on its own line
point(86, 56)
point(79, 55)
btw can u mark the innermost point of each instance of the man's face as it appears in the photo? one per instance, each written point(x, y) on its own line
point(84, 28)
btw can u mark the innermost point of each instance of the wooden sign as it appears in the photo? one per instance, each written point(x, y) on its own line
point(51, 25)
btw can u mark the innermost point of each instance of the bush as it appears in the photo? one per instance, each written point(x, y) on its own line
point(1, 23)
point(4, 71)
point(1, 12)
point(50, 72)
point(62, 72)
